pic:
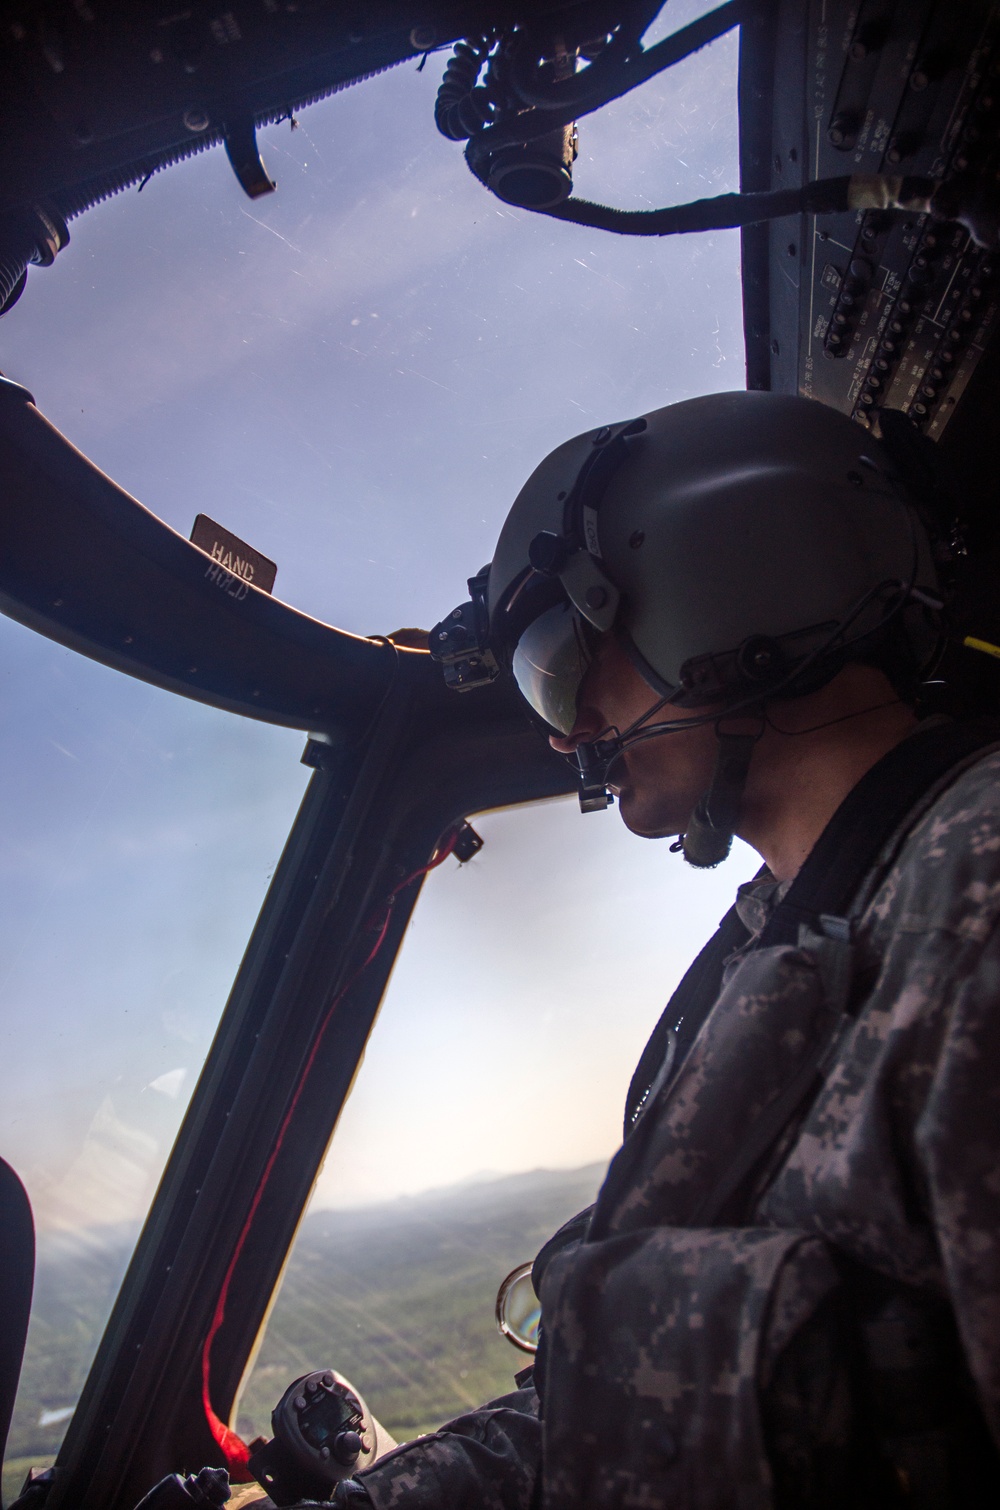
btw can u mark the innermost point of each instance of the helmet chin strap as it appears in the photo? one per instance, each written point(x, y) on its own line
point(709, 835)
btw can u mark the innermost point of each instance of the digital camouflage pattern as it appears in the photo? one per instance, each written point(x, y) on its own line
point(490, 1458)
point(828, 1332)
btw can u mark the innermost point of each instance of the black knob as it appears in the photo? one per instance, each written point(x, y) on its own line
point(347, 1447)
point(843, 128)
point(901, 147)
point(212, 1484)
point(868, 39)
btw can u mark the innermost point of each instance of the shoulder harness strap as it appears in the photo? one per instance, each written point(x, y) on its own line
point(824, 893)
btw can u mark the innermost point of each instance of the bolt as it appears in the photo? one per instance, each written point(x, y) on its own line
point(196, 119)
point(842, 129)
point(423, 38)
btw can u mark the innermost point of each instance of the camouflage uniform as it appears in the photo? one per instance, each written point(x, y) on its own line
point(829, 1332)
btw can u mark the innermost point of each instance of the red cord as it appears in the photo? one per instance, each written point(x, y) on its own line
point(234, 1448)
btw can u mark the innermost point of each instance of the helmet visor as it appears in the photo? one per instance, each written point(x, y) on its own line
point(550, 662)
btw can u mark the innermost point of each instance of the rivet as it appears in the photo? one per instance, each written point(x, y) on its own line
point(196, 119)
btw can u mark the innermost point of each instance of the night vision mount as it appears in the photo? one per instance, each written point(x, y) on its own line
point(463, 642)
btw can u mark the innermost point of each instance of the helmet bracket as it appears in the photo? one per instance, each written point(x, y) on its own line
point(590, 591)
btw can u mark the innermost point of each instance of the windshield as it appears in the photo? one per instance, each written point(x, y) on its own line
point(487, 1108)
point(355, 375)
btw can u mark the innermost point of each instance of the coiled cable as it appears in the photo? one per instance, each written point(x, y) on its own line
point(463, 105)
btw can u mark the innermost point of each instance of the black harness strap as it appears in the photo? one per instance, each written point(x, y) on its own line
point(828, 882)
point(867, 819)
point(685, 1012)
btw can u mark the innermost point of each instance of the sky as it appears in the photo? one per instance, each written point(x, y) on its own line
point(355, 374)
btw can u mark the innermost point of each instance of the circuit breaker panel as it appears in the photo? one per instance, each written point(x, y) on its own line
point(866, 310)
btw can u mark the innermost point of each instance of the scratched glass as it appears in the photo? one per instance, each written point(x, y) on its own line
point(355, 375)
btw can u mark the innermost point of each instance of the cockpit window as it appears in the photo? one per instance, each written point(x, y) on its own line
point(355, 375)
point(139, 834)
point(487, 1107)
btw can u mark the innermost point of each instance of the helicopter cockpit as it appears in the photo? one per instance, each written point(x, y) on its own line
point(246, 429)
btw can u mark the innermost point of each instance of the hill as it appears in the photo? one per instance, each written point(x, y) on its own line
point(398, 1297)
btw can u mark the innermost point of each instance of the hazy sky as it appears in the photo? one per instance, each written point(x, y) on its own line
point(355, 374)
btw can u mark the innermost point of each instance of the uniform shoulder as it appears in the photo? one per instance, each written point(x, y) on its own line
point(946, 874)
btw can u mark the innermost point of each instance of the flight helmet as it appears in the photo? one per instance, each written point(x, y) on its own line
point(742, 546)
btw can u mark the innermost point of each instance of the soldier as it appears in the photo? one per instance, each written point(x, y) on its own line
point(788, 1291)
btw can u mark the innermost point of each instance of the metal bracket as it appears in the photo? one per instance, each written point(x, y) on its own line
point(245, 159)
